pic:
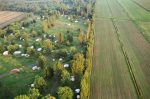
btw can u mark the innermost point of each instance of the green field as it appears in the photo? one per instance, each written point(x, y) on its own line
point(121, 60)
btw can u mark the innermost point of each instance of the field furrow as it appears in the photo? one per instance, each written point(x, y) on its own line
point(7, 17)
point(138, 52)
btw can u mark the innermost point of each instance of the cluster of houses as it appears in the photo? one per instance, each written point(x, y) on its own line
point(34, 68)
point(77, 91)
point(76, 20)
point(6, 53)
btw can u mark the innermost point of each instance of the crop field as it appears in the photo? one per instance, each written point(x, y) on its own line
point(143, 3)
point(7, 17)
point(122, 52)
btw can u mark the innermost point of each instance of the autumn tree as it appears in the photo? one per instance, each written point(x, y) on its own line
point(10, 38)
point(17, 34)
point(40, 83)
point(48, 97)
point(78, 64)
point(48, 72)
point(2, 33)
point(65, 76)
point(25, 36)
point(30, 51)
point(60, 38)
point(34, 34)
point(12, 48)
point(47, 45)
point(82, 37)
point(42, 61)
point(85, 86)
point(70, 38)
point(65, 93)
point(1, 48)
point(22, 97)
point(45, 26)
point(58, 67)
point(34, 93)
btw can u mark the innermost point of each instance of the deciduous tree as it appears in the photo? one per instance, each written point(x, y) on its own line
point(65, 93)
point(78, 64)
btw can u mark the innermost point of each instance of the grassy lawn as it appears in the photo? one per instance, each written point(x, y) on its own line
point(20, 82)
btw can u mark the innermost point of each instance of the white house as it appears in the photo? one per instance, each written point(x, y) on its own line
point(32, 85)
point(20, 46)
point(56, 41)
point(77, 90)
point(5, 53)
point(35, 68)
point(20, 38)
point(39, 49)
point(72, 78)
point(22, 28)
point(17, 52)
point(66, 65)
point(44, 35)
point(38, 39)
point(26, 55)
point(53, 59)
point(78, 96)
point(76, 21)
point(60, 59)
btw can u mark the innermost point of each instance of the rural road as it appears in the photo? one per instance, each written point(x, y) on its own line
point(121, 57)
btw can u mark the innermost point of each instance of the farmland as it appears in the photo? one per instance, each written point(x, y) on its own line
point(7, 17)
point(121, 56)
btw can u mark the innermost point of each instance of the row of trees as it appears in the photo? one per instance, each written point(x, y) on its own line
point(85, 81)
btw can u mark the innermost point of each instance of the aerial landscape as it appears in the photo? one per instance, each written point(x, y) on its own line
point(74, 49)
